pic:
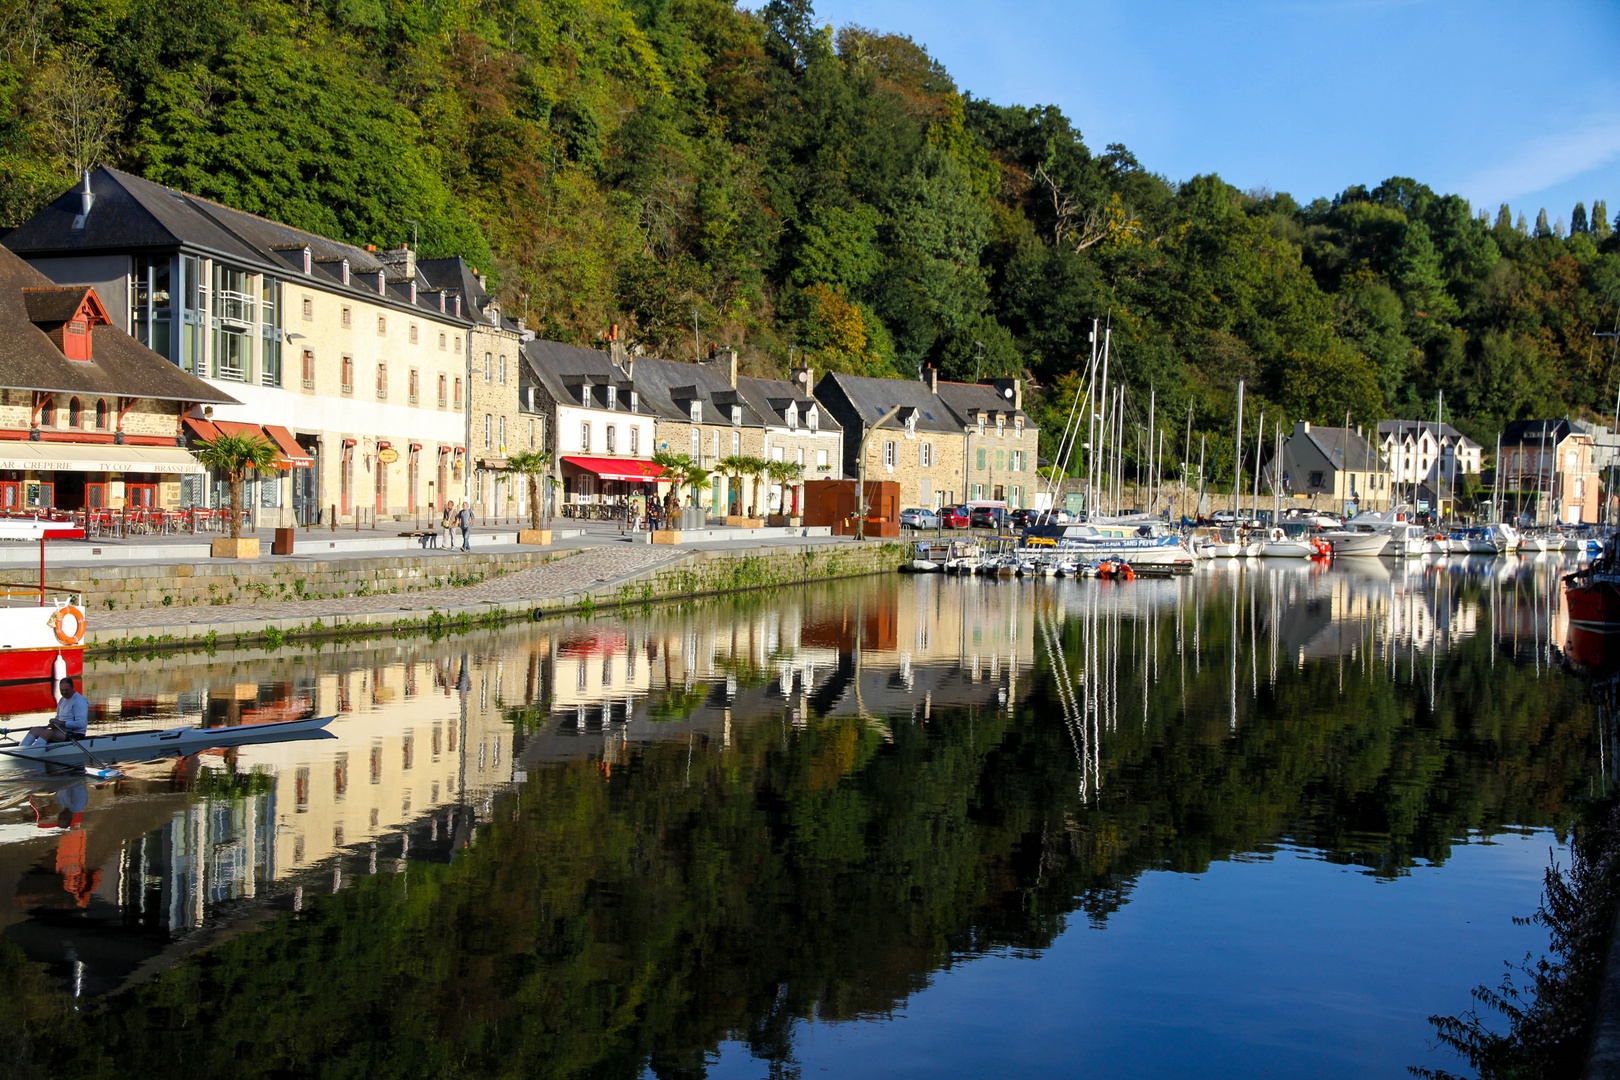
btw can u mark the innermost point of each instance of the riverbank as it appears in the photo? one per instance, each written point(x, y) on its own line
point(549, 583)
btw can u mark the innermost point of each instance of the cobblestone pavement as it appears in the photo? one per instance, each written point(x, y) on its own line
point(590, 566)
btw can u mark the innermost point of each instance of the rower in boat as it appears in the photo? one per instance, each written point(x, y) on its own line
point(72, 719)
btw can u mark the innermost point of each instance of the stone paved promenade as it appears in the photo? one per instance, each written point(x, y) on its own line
point(584, 569)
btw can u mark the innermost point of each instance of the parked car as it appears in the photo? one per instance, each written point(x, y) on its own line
point(1023, 519)
point(918, 518)
point(955, 517)
point(988, 517)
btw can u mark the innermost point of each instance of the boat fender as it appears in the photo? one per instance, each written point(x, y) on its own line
point(68, 622)
point(58, 671)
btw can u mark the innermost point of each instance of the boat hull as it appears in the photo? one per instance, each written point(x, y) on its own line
point(1358, 544)
point(168, 742)
point(1286, 549)
point(1594, 604)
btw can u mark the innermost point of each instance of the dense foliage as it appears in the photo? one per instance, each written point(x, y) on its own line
point(702, 174)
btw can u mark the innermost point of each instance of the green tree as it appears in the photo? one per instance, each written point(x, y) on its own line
point(1600, 220)
point(535, 466)
point(1542, 228)
point(236, 456)
point(1577, 219)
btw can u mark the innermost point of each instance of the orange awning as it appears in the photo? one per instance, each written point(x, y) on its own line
point(634, 469)
point(295, 456)
point(203, 429)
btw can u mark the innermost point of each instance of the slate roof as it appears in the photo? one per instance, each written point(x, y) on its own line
point(871, 398)
point(770, 398)
point(119, 365)
point(1402, 428)
point(968, 399)
point(54, 304)
point(1345, 449)
point(132, 215)
point(563, 369)
point(1536, 432)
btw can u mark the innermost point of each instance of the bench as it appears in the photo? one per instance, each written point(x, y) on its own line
point(426, 537)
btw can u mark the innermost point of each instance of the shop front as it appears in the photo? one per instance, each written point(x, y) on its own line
point(600, 486)
point(287, 493)
point(38, 477)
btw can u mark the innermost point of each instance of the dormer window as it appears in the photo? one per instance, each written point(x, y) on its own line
point(736, 416)
point(635, 401)
point(981, 425)
point(309, 261)
point(1001, 425)
point(382, 283)
point(911, 426)
point(345, 271)
point(612, 396)
point(1018, 426)
point(792, 414)
point(813, 419)
point(695, 410)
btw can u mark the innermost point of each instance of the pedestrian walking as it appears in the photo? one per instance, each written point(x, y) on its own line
point(465, 520)
point(447, 522)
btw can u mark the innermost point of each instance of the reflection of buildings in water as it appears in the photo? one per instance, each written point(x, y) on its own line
point(179, 842)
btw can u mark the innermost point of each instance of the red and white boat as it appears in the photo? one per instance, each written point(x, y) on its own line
point(41, 629)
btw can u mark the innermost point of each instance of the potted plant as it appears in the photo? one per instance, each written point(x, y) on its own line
point(784, 473)
point(736, 467)
point(676, 470)
point(235, 455)
point(534, 464)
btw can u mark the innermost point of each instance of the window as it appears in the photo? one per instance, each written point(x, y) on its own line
point(798, 457)
point(925, 455)
point(585, 436)
point(978, 492)
point(776, 453)
point(457, 402)
point(1569, 460)
point(1001, 426)
point(612, 391)
point(488, 359)
point(309, 307)
point(382, 326)
point(531, 434)
point(502, 442)
point(1015, 495)
point(981, 457)
point(697, 445)
point(1001, 459)
point(1580, 489)
point(414, 338)
point(441, 342)
point(695, 411)
point(1017, 461)
point(1018, 428)
point(635, 442)
point(75, 413)
point(443, 386)
point(736, 415)
point(793, 417)
point(503, 382)
point(382, 382)
point(888, 454)
point(813, 418)
point(347, 318)
point(821, 461)
point(415, 387)
point(612, 438)
point(736, 442)
point(101, 415)
point(489, 430)
point(458, 343)
point(714, 444)
point(981, 426)
point(635, 401)
point(1315, 480)
point(306, 375)
point(348, 374)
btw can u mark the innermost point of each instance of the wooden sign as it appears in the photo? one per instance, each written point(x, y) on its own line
point(388, 455)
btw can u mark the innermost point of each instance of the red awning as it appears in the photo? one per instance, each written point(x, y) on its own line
point(635, 469)
point(203, 429)
point(294, 454)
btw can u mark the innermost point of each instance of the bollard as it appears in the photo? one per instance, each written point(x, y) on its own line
point(334, 517)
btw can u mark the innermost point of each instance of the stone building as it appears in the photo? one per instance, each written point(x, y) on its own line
point(1334, 468)
point(947, 443)
point(354, 352)
point(89, 417)
point(1546, 473)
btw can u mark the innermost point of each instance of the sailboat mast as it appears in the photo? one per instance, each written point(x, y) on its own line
point(1259, 433)
point(1237, 455)
point(1153, 478)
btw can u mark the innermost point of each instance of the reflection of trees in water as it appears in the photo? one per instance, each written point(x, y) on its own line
point(603, 922)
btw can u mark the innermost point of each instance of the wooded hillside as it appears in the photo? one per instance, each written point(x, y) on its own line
point(648, 162)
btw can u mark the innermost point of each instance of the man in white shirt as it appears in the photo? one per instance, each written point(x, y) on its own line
point(72, 719)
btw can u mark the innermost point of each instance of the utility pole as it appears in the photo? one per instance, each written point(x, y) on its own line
point(978, 360)
point(697, 342)
point(860, 492)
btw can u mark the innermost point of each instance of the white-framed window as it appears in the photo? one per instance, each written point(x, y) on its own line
point(503, 381)
point(612, 391)
point(1018, 426)
point(981, 425)
point(925, 455)
point(695, 411)
point(813, 419)
point(635, 401)
point(1017, 461)
point(502, 443)
point(736, 415)
point(441, 343)
point(488, 430)
point(612, 438)
point(488, 360)
point(777, 453)
point(697, 445)
point(978, 492)
point(635, 441)
point(792, 414)
point(911, 426)
point(585, 435)
point(821, 460)
point(1015, 496)
point(531, 434)
point(736, 442)
point(798, 456)
point(889, 450)
point(1001, 426)
point(714, 444)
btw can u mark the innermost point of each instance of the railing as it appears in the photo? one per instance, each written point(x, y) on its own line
point(13, 594)
point(235, 306)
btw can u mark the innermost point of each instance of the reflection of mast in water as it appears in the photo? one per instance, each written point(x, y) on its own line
point(1234, 648)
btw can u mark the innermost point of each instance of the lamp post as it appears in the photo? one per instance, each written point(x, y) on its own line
point(860, 483)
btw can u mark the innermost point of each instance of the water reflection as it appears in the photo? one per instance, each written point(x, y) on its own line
point(758, 810)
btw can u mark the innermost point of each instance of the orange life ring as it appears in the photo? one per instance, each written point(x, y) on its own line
point(68, 622)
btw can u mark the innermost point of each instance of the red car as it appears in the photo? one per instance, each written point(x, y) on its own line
point(955, 517)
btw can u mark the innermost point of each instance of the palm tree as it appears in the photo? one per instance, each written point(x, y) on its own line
point(736, 466)
point(757, 468)
point(784, 473)
point(235, 455)
point(533, 464)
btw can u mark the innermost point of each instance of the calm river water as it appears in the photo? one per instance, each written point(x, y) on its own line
point(1260, 820)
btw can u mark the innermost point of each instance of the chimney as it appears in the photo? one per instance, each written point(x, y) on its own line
point(483, 280)
point(619, 355)
point(1018, 394)
point(345, 271)
point(458, 305)
point(382, 283)
point(933, 379)
point(87, 199)
point(399, 262)
point(726, 359)
point(804, 378)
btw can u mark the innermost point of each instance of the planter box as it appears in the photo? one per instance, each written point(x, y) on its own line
point(776, 521)
point(665, 536)
point(226, 548)
point(540, 537)
point(283, 543)
point(737, 521)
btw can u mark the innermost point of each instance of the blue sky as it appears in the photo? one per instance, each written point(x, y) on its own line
point(1515, 102)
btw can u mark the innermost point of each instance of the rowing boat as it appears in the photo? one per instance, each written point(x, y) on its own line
point(169, 742)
